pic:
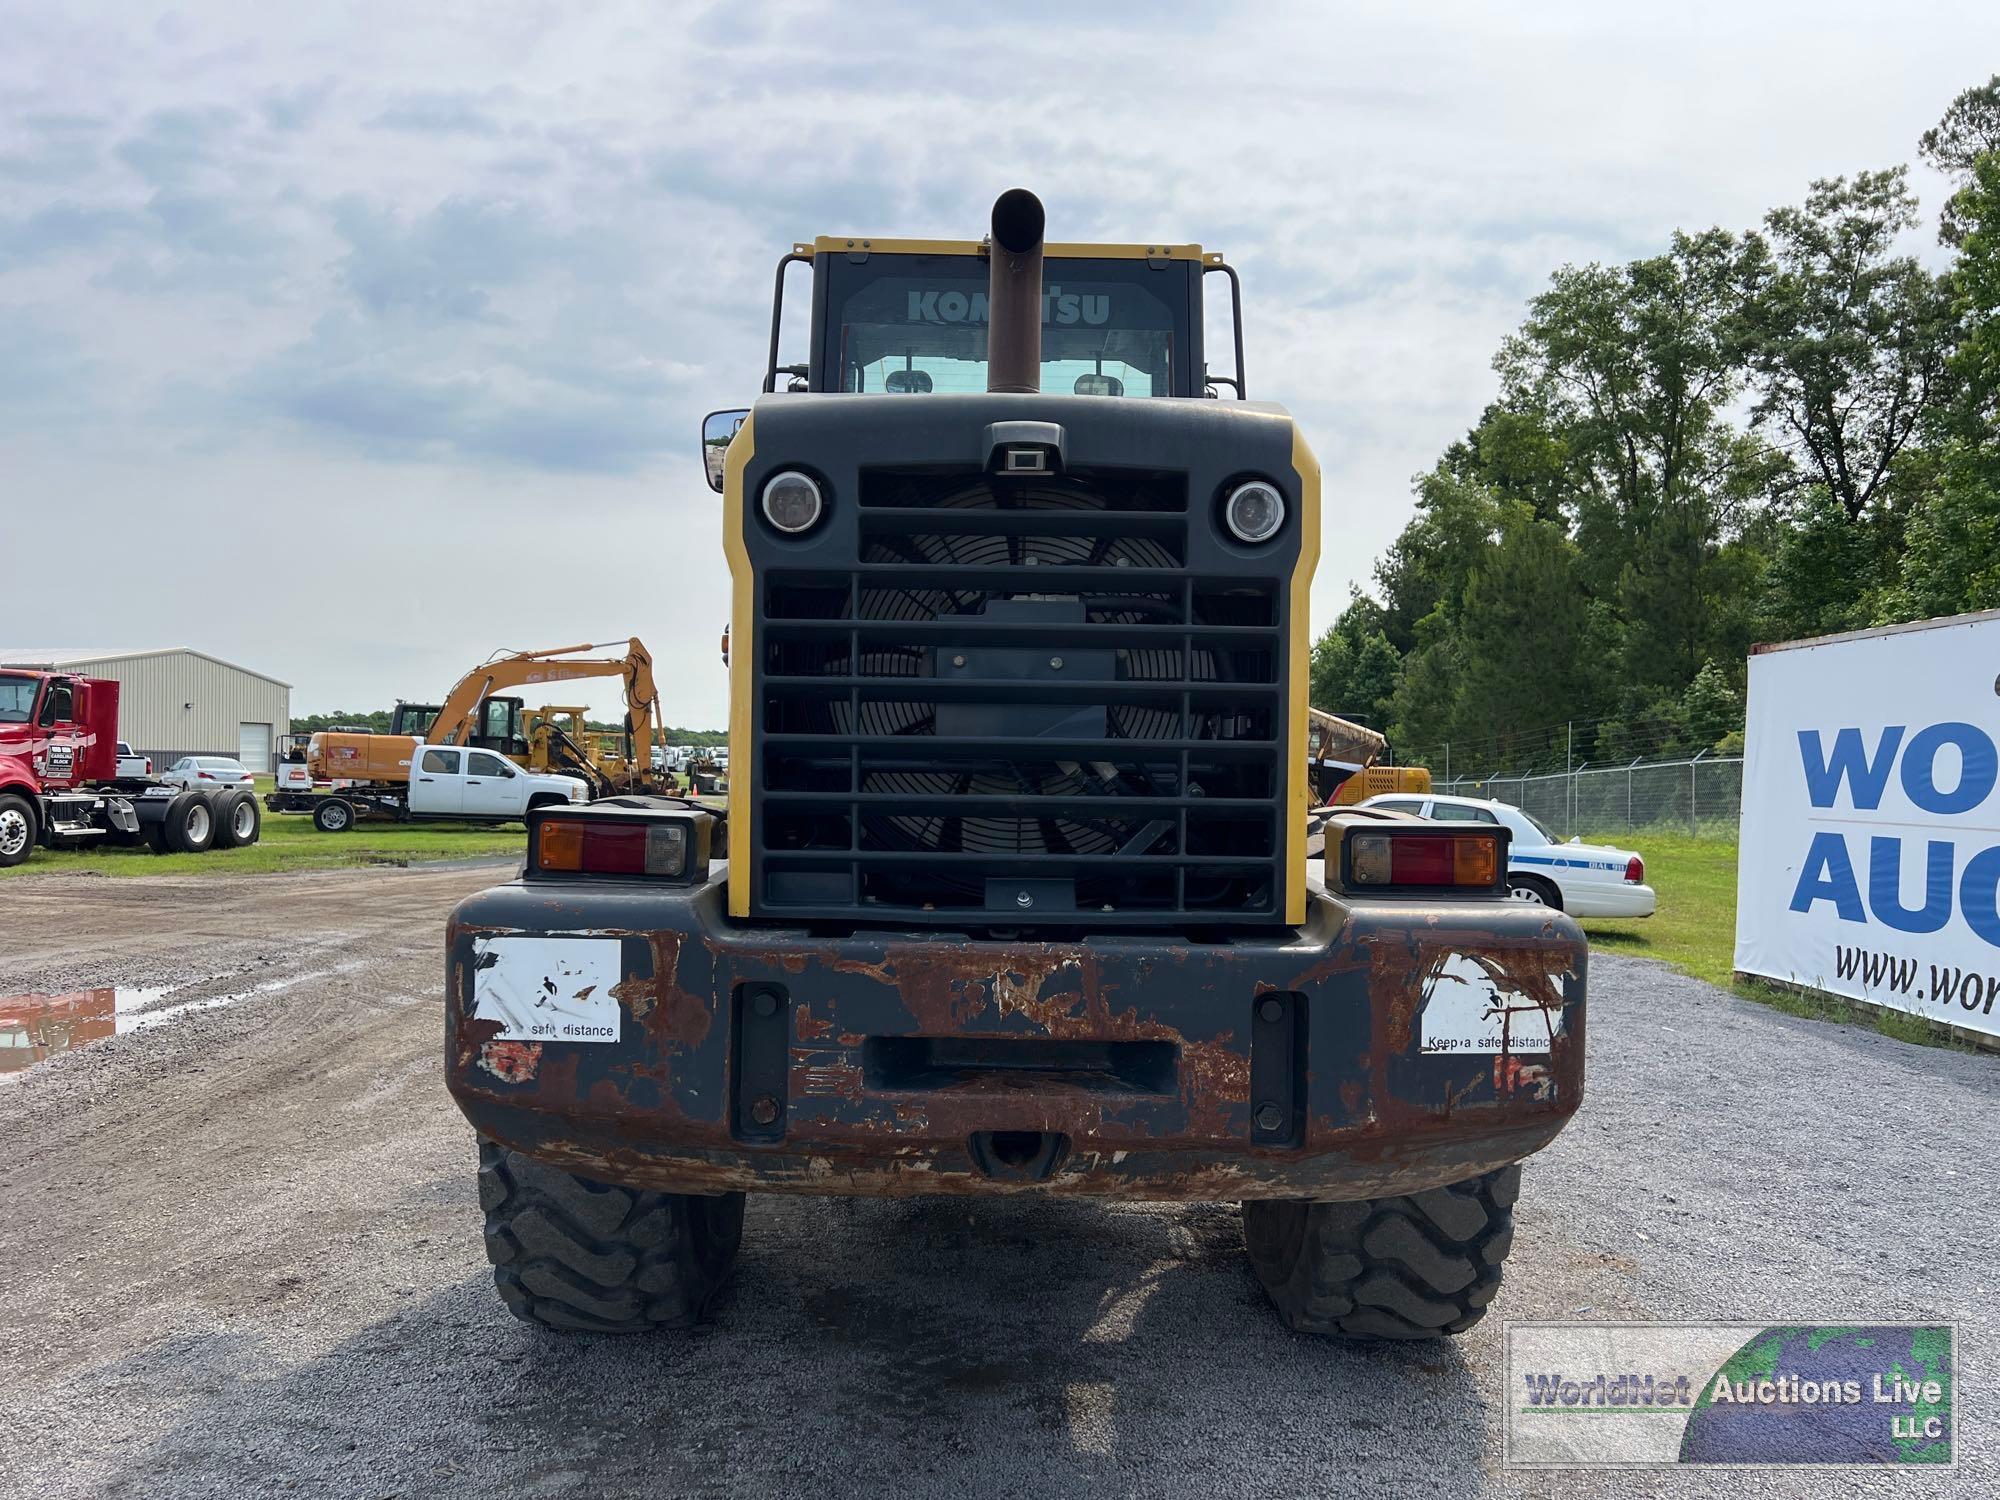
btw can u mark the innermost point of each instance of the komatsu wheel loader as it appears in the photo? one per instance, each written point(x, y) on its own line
point(1016, 895)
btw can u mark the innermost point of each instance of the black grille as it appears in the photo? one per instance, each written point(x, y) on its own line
point(1019, 706)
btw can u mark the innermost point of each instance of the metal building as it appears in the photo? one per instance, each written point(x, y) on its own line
point(175, 701)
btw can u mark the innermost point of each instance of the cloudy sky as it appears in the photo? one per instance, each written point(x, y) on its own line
point(353, 342)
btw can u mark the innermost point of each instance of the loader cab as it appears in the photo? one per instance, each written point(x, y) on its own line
point(908, 318)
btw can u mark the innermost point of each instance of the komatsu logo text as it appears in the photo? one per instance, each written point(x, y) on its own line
point(1058, 306)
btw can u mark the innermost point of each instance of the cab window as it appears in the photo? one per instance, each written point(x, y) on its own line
point(441, 762)
point(56, 708)
point(1454, 813)
point(412, 718)
point(1401, 805)
point(916, 324)
point(499, 720)
point(17, 699)
point(483, 764)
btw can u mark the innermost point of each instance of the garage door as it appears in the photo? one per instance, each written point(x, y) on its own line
point(253, 746)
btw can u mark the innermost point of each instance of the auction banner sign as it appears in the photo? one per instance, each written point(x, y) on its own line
point(1869, 863)
point(1729, 1395)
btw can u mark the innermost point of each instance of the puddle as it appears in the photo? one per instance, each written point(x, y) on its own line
point(35, 1027)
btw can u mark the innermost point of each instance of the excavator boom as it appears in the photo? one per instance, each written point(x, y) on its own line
point(386, 757)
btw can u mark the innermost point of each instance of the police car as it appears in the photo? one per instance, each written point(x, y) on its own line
point(1585, 880)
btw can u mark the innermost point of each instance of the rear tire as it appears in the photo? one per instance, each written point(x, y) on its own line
point(573, 1254)
point(17, 830)
point(1532, 890)
point(1416, 1267)
point(189, 826)
point(333, 815)
point(238, 821)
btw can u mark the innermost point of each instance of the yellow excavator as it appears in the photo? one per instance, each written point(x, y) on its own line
point(479, 712)
point(561, 742)
point(1341, 764)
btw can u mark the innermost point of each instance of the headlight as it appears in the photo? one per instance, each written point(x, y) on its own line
point(1254, 512)
point(792, 502)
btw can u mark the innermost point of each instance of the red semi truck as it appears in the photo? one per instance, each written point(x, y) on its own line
point(60, 785)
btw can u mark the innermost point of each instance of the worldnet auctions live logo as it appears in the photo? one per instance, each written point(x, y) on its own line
point(1585, 1395)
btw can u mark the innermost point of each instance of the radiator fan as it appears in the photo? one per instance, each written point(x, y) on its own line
point(1021, 772)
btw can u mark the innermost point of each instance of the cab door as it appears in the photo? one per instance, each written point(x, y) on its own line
point(437, 783)
point(493, 788)
point(56, 737)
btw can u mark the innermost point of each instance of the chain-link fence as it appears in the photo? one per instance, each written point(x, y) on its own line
point(1702, 796)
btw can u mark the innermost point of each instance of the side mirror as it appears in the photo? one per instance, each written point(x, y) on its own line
point(718, 430)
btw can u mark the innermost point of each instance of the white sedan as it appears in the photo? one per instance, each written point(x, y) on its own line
point(208, 770)
point(1585, 880)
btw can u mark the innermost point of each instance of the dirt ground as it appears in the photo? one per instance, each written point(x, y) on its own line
point(244, 1258)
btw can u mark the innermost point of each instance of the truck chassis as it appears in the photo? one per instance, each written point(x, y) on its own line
point(170, 818)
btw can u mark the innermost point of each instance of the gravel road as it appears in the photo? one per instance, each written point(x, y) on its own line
point(244, 1258)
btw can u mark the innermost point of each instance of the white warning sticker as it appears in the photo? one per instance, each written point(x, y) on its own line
point(547, 989)
point(1465, 1010)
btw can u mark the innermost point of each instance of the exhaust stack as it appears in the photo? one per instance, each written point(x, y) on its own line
point(1014, 293)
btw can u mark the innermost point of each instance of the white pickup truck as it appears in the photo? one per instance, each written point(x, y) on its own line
point(450, 781)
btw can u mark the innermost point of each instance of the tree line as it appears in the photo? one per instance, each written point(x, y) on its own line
point(1758, 435)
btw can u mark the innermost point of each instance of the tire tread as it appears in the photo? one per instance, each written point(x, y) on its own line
point(572, 1254)
point(1423, 1265)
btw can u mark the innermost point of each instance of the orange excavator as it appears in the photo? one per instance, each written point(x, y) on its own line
point(480, 712)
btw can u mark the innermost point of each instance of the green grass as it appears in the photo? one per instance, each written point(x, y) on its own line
point(290, 842)
point(1695, 931)
point(1695, 927)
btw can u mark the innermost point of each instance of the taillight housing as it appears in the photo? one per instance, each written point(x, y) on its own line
point(1635, 871)
point(637, 838)
point(1389, 854)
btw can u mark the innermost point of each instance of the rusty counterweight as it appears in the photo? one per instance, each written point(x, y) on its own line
point(897, 1057)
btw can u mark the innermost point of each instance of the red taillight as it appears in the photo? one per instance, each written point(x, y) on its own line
point(1424, 859)
point(601, 847)
point(203, 776)
point(149, 765)
point(1635, 871)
